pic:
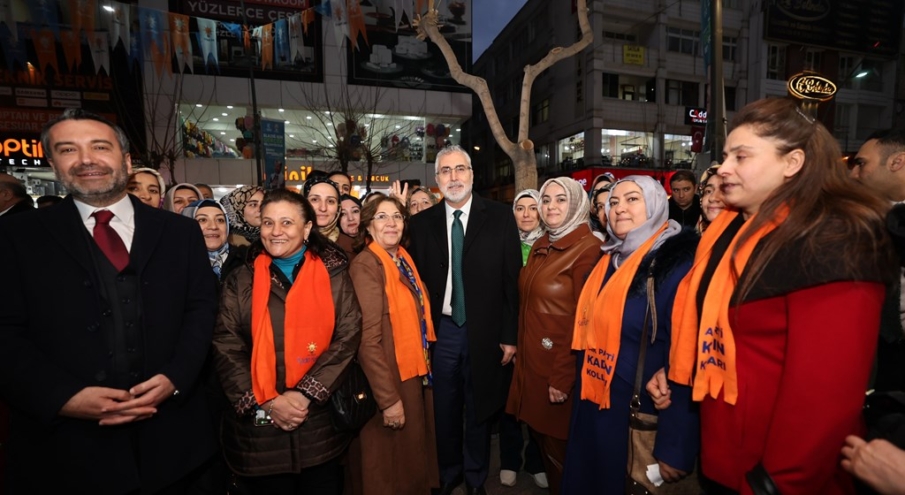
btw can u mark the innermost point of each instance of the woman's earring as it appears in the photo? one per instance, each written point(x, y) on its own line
point(305, 242)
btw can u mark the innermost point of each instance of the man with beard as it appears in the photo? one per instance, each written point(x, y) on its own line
point(468, 253)
point(102, 375)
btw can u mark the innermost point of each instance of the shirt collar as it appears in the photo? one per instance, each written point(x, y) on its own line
point(465, 209)
point(122, 209)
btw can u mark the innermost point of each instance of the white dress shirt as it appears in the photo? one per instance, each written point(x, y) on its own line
point(123, 221)
point(466, 210)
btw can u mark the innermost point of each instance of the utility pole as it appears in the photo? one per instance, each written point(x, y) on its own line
point(716, 115)
point(256, 129)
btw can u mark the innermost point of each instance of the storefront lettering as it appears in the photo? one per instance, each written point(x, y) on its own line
point(811, 87)
point(31, 148)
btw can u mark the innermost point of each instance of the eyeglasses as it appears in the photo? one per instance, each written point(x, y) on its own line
point(459, 169)
point(383, 217)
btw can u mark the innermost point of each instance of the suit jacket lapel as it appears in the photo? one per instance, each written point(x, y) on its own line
point(438, 221)
point(148, 232)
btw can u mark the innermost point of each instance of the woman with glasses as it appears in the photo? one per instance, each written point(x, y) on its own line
point(398, 449)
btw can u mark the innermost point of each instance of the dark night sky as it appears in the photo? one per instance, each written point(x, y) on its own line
point(490, 16)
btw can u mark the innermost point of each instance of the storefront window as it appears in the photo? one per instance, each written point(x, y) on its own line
point(571, 151)
point(677, 150)
point(626, 148)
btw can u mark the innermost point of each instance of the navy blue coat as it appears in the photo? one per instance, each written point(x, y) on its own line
point(596, 454)
point(50, 349)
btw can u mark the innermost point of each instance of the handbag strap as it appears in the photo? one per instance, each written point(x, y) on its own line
point(649, 313)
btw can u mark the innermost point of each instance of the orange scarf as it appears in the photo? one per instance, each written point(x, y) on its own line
point(307, 328)
point(599, 333)
point(708, 346)
point(405, 315)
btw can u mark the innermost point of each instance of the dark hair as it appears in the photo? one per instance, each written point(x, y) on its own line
point(890, 141)
point(317, 174)
point(339, 172)
point(317, 243)
point(49, 199)
point(349, 197)
point(79, 114)
point(15, 187)
point(313, 181)
point(820, 191)
point(598, 192)
point(367, 216)
point(683, 175)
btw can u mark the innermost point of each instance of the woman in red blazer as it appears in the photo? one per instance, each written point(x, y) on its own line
point(777, 322)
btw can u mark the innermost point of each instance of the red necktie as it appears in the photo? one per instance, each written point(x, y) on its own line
point(109, 241)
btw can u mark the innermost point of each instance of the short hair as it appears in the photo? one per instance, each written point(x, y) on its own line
point(453, 148)
point(340, 172)
point(14, 186)
point(49, 199)
point(683, 175)
point(317, 243)
point(890, 141)
point(367, 216)
point(79, 114)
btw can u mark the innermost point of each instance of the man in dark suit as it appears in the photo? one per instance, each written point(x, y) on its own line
point(14, 197)
point(467, 252)
point(102, 372)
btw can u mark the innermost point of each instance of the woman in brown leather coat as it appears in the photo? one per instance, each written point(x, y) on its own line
point(289, 325)
point(549, 287)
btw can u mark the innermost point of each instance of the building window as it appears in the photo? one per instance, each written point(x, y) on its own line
point(776, 62)
point(730, 46)
point(682, 40)
point(612, 35)
point(813, 60)
point(610, 85)
point(730, 99)
point(681, 93)
point(541, 112)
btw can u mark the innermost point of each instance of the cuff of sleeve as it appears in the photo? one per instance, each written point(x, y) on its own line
point(313, 389)
point(246, 405)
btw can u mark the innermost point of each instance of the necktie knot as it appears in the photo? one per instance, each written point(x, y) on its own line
point(457, 214)
point(103, 217)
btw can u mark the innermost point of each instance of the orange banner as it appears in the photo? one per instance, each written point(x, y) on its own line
point(45, 48)
point(356, 22)
point(182, 47)
point(160, 56)
point(267, 46)
point(72, 47)
point(83, 12)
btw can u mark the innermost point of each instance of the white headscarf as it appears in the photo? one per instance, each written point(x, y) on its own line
point(529, 237)
point(578, 207)
point(657, 205)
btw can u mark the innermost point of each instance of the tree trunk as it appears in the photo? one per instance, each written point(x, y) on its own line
point(521, 152)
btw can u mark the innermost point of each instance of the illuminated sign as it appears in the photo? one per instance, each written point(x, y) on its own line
point(811, 87)
point(301, 175)
point(22, 152)
point(695, 116)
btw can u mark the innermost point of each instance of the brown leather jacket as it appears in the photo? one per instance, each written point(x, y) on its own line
point(549, 287)
point(264, 450)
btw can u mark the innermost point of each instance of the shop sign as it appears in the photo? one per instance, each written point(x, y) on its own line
point(632, 55)
point(811, 87)
point(695, 116)
point(21, 152)
point(300, 174)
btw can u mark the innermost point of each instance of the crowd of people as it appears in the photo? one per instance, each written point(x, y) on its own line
point(721, 340)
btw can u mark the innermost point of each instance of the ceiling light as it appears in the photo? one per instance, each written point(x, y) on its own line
point(198, 105)
point(861, 74)
point(314, 140)
point(398, 126)
point(292, 135)
point(232, 140)
point(225, 114)
point(216, 119)
point(458, 130)
point(308, 117)
point(286, 122)
point(330, 124)
point(229, 107)
point(109, 8)
point(222, 133)
point(281, 110)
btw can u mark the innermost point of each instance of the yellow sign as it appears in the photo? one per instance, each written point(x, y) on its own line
point(301, 175)
point(632, 55)
point(811, 87)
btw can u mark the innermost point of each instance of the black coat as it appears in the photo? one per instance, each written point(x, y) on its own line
point(491, 264)
point(20, 207)
point(50, 349)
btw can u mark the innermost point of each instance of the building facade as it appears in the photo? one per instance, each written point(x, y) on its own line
point(635, 97)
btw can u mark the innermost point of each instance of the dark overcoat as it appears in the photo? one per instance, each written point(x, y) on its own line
point(51, 347)
point(492, 259)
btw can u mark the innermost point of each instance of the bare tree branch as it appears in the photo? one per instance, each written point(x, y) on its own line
point(522, 151)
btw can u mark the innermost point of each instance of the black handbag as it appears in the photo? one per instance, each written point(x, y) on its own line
point(352, 404)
